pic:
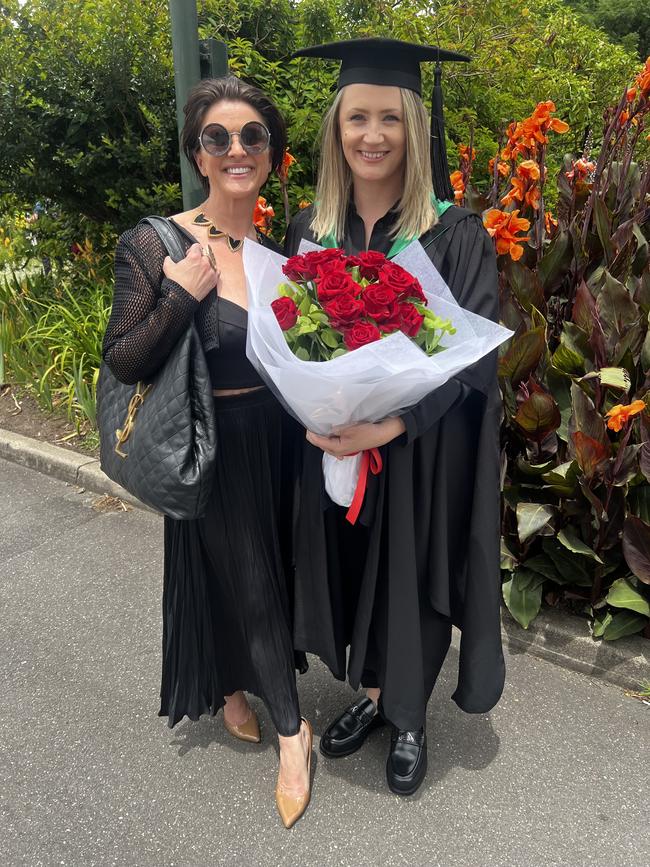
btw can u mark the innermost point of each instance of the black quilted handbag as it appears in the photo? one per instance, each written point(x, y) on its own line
point(158, 438)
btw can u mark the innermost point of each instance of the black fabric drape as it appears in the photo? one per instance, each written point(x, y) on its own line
point(428, 542)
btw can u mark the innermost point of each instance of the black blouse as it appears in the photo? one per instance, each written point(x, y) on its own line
point(150, 312)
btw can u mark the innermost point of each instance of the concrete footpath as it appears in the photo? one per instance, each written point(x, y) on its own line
point(556, 774)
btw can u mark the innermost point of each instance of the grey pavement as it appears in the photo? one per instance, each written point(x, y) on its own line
point(556, 774)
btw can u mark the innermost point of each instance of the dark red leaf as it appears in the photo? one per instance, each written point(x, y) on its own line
point(636, 547)
point(590, 454)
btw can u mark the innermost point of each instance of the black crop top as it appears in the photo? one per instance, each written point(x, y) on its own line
point(150, 312)
point(229, 367)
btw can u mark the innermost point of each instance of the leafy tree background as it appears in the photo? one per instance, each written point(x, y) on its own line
point(87, 99)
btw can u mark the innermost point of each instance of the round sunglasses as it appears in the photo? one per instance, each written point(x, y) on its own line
point(254, 137)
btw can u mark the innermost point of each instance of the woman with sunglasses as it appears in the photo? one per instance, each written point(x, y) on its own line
point(424, 553)
point(226, 597)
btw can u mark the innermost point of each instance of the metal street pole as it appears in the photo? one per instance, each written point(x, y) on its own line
point(187, 71)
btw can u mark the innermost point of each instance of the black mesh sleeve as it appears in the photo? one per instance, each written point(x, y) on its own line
point(149, 311)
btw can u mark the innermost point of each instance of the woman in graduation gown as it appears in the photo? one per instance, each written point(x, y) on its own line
point(424, 553)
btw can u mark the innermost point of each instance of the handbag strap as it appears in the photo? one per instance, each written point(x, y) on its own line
point(168, 235)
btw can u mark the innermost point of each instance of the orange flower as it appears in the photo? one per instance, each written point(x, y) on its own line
point(303, 203)
point(624, 117)
point(287, 161)
point(465, 155)
point(550, 223)
point(458, 184)
point(502, 168)
point(529, 170)
point(631, 94)
point(542, 115)
point(643, 79)
point(263, 216)
point(520, 192)
point(503, 227)
point(620, 414)
point(581, 168)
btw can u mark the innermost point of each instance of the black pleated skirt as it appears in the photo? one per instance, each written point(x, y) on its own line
point(227, 618)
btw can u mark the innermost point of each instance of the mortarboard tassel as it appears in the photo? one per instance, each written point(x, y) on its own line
point(439, 168)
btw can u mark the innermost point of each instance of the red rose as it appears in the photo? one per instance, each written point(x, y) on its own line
point(286, 312)
point(381, 302)
point(360, 334)
point(295, 268)
point(334, 283)
point(344, 310)
point(324, 257)
point(404, 285)
point(412, 319)
point(370, 262)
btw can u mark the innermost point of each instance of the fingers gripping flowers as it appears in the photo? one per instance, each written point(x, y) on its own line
point(334, 303)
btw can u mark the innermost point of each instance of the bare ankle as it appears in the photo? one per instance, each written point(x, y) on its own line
point(373, 694)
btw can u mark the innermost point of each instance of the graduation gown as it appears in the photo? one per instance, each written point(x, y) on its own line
point(425, 549)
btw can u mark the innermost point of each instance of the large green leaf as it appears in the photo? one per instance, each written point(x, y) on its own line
point(636, 547)
point(563, 479)
point(613, 377)
point(523, 356)
point(623, 623)
point(544, 565)
point(508, 559)
point(568, 360)
point(570, 567)
point(623, 595)
point(569, 538)
point(532, 518)
point(523, 595)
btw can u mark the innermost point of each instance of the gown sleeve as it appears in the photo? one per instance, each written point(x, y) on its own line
point(149, 313)
point(298, 229)
point(469, 268)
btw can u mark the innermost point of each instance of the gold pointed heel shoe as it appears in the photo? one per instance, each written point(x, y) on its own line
point(289, 807)
point(248, 731)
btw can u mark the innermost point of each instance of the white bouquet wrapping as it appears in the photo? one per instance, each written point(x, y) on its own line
point(369, 383)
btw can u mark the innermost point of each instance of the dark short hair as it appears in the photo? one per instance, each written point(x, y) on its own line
point(231, 89)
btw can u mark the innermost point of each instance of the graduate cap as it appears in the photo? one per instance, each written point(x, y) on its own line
point(393, 63)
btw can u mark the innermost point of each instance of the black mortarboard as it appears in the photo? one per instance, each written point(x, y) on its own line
point(393, 63)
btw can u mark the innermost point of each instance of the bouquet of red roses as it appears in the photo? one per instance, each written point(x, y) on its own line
point(334, 303)
point(307, 313)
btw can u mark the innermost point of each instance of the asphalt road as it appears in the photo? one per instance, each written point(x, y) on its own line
point(556, 774)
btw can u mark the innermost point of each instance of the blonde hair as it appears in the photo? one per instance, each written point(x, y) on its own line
point(415, 207)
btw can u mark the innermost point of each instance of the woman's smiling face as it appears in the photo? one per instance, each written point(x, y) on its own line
point(371, 125)
point(236, 174)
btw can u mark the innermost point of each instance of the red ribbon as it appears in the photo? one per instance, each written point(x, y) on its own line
point(370, 460)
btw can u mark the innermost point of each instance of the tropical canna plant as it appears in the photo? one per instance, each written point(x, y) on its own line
point(575, 377)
